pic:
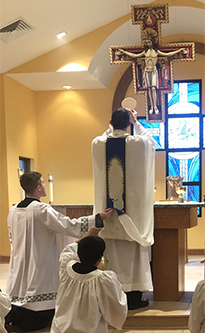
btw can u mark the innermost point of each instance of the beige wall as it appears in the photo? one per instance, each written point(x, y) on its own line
point(20, 139)
point(67, 123)
point(4, 205)
point(56, 129)
point(21, 131)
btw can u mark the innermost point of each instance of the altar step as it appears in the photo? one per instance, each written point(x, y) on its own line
point(161, 315)
point(157, 320)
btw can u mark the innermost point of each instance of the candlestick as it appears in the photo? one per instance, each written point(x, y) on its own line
point(20, 173)
point(50, 181)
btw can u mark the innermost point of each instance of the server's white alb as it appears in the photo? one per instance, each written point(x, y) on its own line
point(34, 264)
point(87, 302)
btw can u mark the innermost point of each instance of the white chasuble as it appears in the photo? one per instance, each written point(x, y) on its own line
point(127, 184)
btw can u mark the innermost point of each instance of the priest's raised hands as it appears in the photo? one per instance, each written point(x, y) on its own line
point(133, 116)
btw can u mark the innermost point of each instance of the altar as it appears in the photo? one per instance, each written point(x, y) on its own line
point(171, 221)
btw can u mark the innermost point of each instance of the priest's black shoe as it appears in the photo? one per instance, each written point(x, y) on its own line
point(134, 300)
point(141, 304)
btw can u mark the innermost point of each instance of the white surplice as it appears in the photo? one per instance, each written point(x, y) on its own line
point(5, 307)
point(34, 264)
point(196, 322)
point(129, 236)
point(87, 302)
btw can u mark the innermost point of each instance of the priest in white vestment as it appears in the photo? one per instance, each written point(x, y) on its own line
point(34, 264)
point(196, 322)
point(123, 172)
point(88, 298)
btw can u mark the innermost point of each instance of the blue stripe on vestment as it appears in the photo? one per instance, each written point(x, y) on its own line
point(115, 174)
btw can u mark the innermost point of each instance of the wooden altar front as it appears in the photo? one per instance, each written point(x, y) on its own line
point(171, 221)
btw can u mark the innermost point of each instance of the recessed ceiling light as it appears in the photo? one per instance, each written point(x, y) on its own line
point(66, 87)
point(72, 68)
point(61, 34)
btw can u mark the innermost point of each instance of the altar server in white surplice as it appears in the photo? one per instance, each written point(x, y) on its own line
point(5, 307)
point(34, 265)
point(196, 322)
point(123, 171)
point(88, 299)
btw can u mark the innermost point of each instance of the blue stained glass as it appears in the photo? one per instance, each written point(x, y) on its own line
point(184, 164)
point(192, 193)
point(193, 93)
point(173, 98)
point(156, 130)
point(183, 132)
point(184, 99)
point(204, 132)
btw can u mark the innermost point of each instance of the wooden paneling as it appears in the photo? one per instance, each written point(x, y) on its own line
point(169, 251)
point(171, 217)
point(76, 212)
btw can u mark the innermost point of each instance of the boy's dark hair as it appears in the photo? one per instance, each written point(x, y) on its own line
point(90, 249)
point(30, 180)
point(120, 118)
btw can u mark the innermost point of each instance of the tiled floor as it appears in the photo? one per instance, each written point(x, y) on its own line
point(194, 272)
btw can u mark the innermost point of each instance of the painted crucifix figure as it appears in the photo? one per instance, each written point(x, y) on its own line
point(152, 62)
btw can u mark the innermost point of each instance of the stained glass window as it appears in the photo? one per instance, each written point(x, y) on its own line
point(184, 164)
point(183, 132)
point(182, 135)
point(192, 193)
point(156, 130)
point(183, 149)
point(185, 98)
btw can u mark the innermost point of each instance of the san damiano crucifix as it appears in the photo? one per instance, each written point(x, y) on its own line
point(152, 62)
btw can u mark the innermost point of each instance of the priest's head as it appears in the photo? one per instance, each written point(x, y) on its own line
point(120, 119)
point(90, 250)
point(33, 184)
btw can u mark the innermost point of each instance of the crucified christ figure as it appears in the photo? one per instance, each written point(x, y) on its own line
point(150, 55)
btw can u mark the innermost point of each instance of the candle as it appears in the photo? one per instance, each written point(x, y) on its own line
point(50, 181)
point(22, 193)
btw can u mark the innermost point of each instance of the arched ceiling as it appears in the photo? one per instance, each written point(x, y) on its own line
point(49, 17)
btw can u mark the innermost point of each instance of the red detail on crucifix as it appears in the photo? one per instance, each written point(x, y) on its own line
point(152, 62)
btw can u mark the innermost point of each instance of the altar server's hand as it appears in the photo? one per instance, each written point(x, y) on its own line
point(93, 231)
point(106, 213)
